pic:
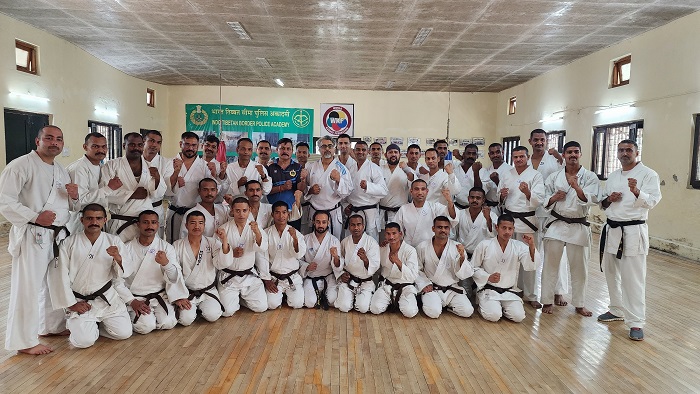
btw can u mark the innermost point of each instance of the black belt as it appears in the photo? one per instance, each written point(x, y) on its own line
point(604, 235)
point(178, 210)
point(491, 203)
point(157, 203)
point(233, 273)
point(460, 206)
point(499, 290)
point(357, 280)
point(56, 231)
point(387, 210)
point(355, 209)
point(523, 217)
point(395, 287)
point(98, 294)
point(287, 277)
point(306, 203)
point(150, 296)
point(128, 221)
point(321, 300)
point(201, 292)
point(446, 288)
point(582, 220)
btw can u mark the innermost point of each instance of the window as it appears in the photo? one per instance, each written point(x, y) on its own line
point(621, 71)
point(511, 105)
point(113, 132)
point(556, 139)
point(25, 57)
point(605, 140)
point(695, 170)
point(509, 143)
point(150, 97)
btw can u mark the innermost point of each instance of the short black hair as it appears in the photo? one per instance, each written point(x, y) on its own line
point(418, 181)
point(240, 200)
point(441, 218)
point(188, 134)
point(355, 216)
point(537, 131)
point(303, 144)
point(129, 135)
point(496, 145)
point(264, 142)
point(629, 142)
point(519, 148)
point(147, 212)
point(212, 138)
point(280, 203)
point(148, 132)
point(252, 182)
point(570, 144)
point(393, 225)
point(435, 144)
point(477, 189)
point(244, 139)
point(194, 214)
point(505, 217)
point(471, 146)
point(414, 146)
point(285, 140)
point(94, 134)
point(94, 207)
point(328, 215)
point(199, 185)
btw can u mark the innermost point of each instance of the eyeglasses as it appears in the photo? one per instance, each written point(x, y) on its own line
point(327, 146)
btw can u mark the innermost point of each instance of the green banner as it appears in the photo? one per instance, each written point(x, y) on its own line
point(231, 122)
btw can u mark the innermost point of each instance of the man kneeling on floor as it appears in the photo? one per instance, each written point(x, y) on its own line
point(496, 264)
point(359, 261)
point(81, 281)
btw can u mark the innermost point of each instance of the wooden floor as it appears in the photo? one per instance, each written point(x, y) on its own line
point(308, 351)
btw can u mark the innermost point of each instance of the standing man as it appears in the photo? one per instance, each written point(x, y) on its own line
point(413, 155)
point(35, 196)
point(569, 195)
point(186, 170)
point(329, 182)
point(216, 168)
point(398, 177)
point(141, 185)
point(322, 254)
point(368, 188)
point(244, 170)
point(521, 191)
point(346, 155)
point(476, 223)
point(360, 260)
point(495, 172)
point(629, 194)
point(287, 177)
point(439, 178)
point(442, 149)
point(416, 217)
point(264, 149)
point(154, 141)
point(375, 151)
point(469, 174)
point(215, 214)
point(303, 157)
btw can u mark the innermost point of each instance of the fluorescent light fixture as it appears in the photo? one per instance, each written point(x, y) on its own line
point(29, 96)
point(422, 36)
point(105, 111)
point(390, 84)
point(238, 28)
point(552, 118)
point(401, 67)
point(262, 62)
point(615, 109)
point(279, 82)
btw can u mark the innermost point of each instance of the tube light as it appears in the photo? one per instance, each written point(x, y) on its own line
point(29, 96)
point(279, 82)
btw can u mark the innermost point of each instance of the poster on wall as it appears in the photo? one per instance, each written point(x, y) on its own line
point(413, 140)
point(232, 122)
point(337, 119)
point(397, 140)
point(479, 141)
point(465, 141)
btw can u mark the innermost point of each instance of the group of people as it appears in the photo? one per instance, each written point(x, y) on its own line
point(94, 248)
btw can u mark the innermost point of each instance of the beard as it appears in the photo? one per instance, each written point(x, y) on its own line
point(320, 230)
point(392, 161)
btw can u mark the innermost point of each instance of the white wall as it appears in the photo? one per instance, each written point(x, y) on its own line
point(75, 82)
point(665, 89)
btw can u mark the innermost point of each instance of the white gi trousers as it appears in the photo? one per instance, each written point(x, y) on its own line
point(358, 296)
point(210, 308)
point(158, 319)
point(434, 301)
point(577, 257)
point(381, 299)
point(102, 319)
point(295, 293)
point(253, 297)
point(562, 286)
point(626, 279)
point(331, 290)
point(493, 306)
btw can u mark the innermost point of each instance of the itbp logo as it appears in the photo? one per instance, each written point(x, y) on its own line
point(337, 120)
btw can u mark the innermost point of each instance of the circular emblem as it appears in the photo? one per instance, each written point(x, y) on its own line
point(198, 116)
point(337, 120)
point(301, 118)
point(292, 173)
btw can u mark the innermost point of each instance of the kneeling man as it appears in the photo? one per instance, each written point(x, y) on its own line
point(360, 260)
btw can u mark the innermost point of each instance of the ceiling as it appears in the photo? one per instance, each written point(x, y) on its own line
point(475, 46)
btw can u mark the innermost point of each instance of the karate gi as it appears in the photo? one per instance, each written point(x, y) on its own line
point(364, 202)
point(161, 163)
point(120, 202)
point(284, 267)
point(358, 290)
point(184, 198)
point(234, 172)
point(443, 273)
point(489, 258)
point(27, 187)
point(331, 193)
point(626, 276)
point(439, 181)
point(398, 185)
point(159, 286)
point(223, 185)
point(264, 217)
point(417, 223)
point(396, 286)
point(517, 202)
point(82, 271)
point(471, 232)
point(319, 253)
point(491, 188)
point(200, 274)
point(241, 282)
point(211, 222)
point(87, 176)
point(575, 237)
point(466, 182)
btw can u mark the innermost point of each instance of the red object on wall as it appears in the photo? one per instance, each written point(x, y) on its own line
point(221, 154)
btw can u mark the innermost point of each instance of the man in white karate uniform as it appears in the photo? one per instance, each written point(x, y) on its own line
point(629, 194)
point(399, 270)
point(35, 196)
point(521, 191)
point(215, 214)
point(398, 177)
point(495, 172)
point(413, 155)
point(82, 279)
point(261, 212)
point(85, 172)
point(469, 174)
point(416, 217)
point(368, 188)
point(217, 169)
point(443, 263)
point(477, 222)
point(346, 154)
point(375, 153)
point(186, 170)
point(322, 254)
point(244, 170)
point(439, 178)
point(286, 246)
point(496, 264)
point(154, 140)
point(156, 279)
point(569, 195)
point(240, 282)
point(359, 261)
point(329, 182)
point(141, 185)
point(200, 258)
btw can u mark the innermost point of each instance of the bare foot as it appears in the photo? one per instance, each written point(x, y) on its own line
point(547, 308)
point(559, 300)
point(37, 350)
point(63, 333)
point(584, 312)
point(534, 304)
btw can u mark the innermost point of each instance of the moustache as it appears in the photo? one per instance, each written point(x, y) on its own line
point(94, 226)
